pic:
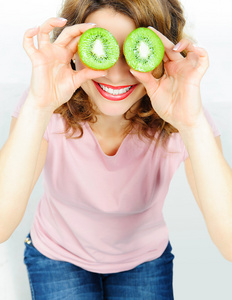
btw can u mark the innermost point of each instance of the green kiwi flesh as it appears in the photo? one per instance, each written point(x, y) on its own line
point(98, 49)
point(143, 50)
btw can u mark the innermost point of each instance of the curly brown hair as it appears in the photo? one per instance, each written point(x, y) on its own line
point(164, 15)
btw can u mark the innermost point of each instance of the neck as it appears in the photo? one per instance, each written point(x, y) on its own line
point(108, 126)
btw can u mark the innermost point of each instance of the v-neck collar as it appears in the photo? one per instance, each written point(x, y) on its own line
point(86, 124)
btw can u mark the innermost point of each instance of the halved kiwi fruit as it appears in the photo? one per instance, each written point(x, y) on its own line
point(98, 49)
point(143, 50)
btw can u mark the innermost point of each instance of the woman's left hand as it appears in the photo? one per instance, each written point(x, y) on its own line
point(176, 95)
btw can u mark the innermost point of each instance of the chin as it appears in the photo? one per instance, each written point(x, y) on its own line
point(112, 109)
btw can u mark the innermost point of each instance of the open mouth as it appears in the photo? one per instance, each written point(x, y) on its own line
point(114, 93)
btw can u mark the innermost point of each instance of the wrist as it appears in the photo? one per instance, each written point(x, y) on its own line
point(35, 116)
point(194, 123)
point(196, 132)
point(36, 106)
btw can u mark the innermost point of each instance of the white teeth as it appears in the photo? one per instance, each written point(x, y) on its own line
point(115, 91)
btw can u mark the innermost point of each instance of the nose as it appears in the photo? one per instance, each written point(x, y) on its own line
point(120, 72)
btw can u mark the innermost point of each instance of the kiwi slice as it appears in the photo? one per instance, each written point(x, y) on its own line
point(143, 50)
point(98, 49)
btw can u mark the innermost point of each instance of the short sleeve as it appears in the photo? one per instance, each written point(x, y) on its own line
point(214, 129)
point(18, 107)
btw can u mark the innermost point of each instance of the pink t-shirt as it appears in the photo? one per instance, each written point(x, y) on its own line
point(104, 213)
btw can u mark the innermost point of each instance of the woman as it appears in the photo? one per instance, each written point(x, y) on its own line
point(99, 231)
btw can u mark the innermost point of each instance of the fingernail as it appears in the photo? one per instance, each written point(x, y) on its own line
point(177, 46)
point(36, 27)
point(92, 24)
point(150, 27)
point(62, 19)
point(196, 46)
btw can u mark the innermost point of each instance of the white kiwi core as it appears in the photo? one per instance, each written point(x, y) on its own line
point(98, 49)
point(144, 50)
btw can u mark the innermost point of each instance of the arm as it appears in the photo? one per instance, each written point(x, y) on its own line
point(210, 179)
point(53, 82)
point(21, 162)
point(41, 158)
point(176, 98)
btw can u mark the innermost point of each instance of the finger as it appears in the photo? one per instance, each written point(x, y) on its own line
point(203, 59)
point(165, 58)
point(197, 54)
point(73, 45)
point(148, 80)
point(86, 74)
point(168, 46)
point(47, 27)
point(28, 41)
point(187, 45)
point(184, 44)
point(72, 33)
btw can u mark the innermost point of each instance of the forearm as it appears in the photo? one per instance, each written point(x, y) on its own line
point(18, 159)
point(213, 179)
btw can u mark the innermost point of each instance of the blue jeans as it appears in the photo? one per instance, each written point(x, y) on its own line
point(52, 280)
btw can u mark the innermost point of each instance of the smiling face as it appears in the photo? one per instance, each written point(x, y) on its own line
point(119, 90)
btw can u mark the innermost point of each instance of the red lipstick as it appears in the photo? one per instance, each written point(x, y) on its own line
point(111, 97)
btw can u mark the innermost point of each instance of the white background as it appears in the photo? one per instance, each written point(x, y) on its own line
point(200, 272)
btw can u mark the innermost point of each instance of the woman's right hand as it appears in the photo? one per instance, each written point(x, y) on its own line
point(53, 80)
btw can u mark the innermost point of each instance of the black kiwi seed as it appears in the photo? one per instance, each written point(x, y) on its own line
point(98, 49)
point(143, 50)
